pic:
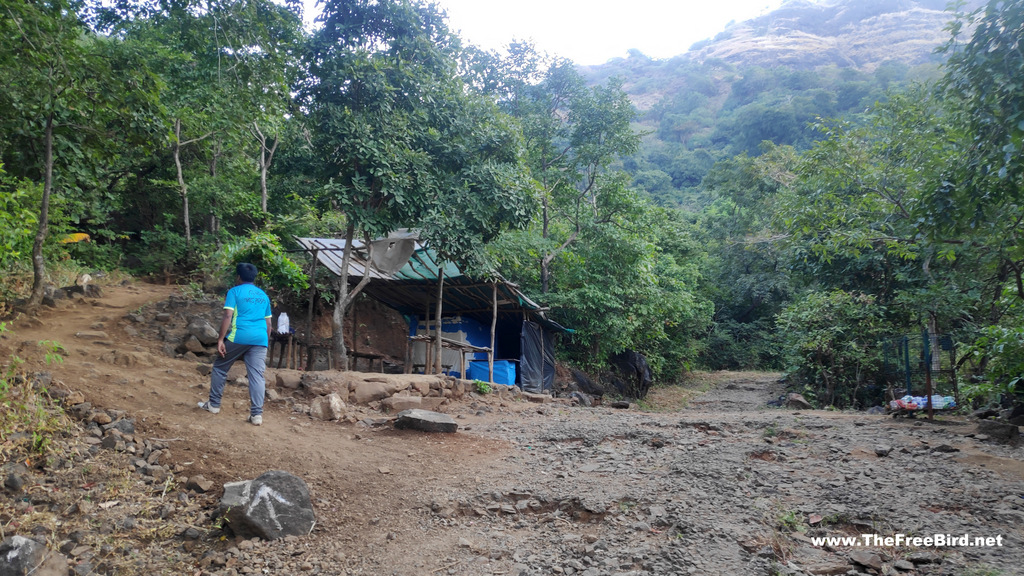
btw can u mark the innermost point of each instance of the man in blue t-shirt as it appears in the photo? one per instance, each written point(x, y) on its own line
point(244, 333)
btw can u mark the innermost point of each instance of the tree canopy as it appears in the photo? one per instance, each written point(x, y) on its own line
point(747, 217)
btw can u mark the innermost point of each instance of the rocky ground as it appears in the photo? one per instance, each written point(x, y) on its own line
point(720, 484)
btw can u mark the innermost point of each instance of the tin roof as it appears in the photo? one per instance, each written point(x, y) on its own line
point(410, 285)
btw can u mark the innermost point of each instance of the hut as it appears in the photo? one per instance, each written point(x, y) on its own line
point(488, 329)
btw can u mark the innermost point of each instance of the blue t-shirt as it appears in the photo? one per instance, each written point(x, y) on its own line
point(249, 322)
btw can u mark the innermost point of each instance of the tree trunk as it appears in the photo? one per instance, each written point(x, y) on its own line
point(346, 296)
point(265, 158)
point(38, 264)
point(544, 260)
point(440, 293)
point(182, 188)
point(338, 320)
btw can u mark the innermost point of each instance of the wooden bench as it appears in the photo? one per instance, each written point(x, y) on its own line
point(370, 356)
point(429, 340)
point(288, 352)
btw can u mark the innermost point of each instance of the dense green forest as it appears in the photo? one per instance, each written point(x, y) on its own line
point(749, 217)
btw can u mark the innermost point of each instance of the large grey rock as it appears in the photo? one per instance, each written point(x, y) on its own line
point(999, 431)
point(373, 389)
point(797, 401)
point(203, 332)
point(366, 392)
point(199, 483)
point(193, 345)
point(272, 506)
point(1016, 416)
point(20, 556)
point(426, 421)
point(122, 425)
point(543, 398)
point(867, 559)
point(324, 383)
point(330, 407)
point(402, 403)
point(290, 379)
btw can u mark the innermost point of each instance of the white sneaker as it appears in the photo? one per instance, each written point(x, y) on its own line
point(211, 409)
point(256, 420)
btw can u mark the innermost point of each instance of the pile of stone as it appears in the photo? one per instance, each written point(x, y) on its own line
point(77, 522)
point(186, 327)
point(327, 395)
point(85, 506)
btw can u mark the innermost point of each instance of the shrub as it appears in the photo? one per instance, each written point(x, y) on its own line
point(1000, 351)
point(278, 273)
point(831, 342)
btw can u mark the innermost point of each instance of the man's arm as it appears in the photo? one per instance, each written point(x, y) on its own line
point(225, 325)
point(268, 331)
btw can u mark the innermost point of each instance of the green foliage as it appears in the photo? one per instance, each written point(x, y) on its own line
point(193, 291)
point(633, 287)
point(746, 274)
point(735, 345)
point(397, 139)
point(277, 272)
point(72, 102)
point(18, 218)
point(984, 75)
point(831, 340)
point(618, 271)
point(790, 521)
point(161, 251)
point(997, 357)
point(482, 387)
point(53, 351)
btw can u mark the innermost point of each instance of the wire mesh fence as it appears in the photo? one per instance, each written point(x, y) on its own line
point(912, 359)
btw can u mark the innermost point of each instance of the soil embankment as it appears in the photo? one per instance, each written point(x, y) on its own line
point(723, 486)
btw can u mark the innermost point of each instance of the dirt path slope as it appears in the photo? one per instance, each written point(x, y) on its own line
point(366, 483)
point(725, 486)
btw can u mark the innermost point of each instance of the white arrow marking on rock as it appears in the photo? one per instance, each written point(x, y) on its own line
point(264, 494)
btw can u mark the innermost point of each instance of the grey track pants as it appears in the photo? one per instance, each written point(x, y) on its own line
point(255, 358)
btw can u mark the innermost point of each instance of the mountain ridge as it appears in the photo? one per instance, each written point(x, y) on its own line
point(771, 78)
point(847, 33)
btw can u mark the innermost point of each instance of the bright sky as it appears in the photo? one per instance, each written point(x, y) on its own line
point(595, 31)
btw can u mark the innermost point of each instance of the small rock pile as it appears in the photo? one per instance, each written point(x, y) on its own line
point(186, 327)
point(104, 497)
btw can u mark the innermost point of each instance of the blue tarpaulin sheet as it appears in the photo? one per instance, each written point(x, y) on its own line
point(504, 372)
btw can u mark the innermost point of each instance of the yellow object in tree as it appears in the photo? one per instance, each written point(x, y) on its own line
point(76, 237)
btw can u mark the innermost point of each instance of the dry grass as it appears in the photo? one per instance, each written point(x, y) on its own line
point(675, 397)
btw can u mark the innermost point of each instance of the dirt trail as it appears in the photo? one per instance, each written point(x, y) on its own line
point(534, 489)
point(366, 483)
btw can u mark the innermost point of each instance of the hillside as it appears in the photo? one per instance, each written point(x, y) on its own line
point(769, 79)
point(861, 34)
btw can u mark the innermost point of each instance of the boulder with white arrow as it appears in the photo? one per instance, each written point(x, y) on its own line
point(274, 505)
